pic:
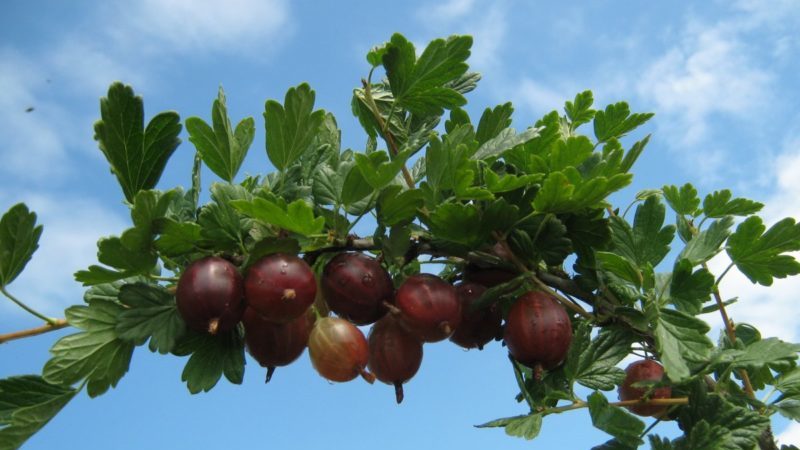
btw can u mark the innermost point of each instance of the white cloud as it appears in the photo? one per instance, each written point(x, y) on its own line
point(68, 243)
point(539, 98)
point(446, 11)
point(189, 25)
point(790, 435)
point(710, 72)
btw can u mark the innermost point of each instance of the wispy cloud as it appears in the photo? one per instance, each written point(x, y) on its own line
point(445, 11)
point(790, 435)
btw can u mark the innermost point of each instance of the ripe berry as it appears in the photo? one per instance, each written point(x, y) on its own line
point(477, 327)
point(644, 370)
point(394, 354)
point(538, 331)
point(209, 295)
point(355, 286)
point(276, 344)
point(338, 350)
point(280, 287)
point(429, 307)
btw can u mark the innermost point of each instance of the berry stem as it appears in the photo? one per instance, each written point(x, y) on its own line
point(270, 371)
point(398, 392)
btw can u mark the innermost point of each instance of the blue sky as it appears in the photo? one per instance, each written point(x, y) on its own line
point(721, 77)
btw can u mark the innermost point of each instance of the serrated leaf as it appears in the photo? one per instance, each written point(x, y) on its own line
point(526, 427)
point(592, 363)
point(789, 383)
point(616, 121)
point(19, 239)
point(579, 111)
point(506, 139)
point(647, 241)
point(507, 182)
point(420, 85)
point(378, 170)
point(621, 267)
point(97, 275)
point(355, 187)
point(178, 238)
point(683, 200)
point(762, 256)
point(659, 443)
point(681, 342)
point(220, 223)
point(548, 239)
point(137, 155)
point(152, 314)
point(570, 152)
point(493, 121)
point(614, 444)
point(222, 147)
point(211, 357)
point(744, 424)
point(28, 403)
point(614, 420)
point(96, 353)
point(764, 352)
point(789, 408)
point(707, 437)
point(397, 206)
point(719, 204)
point(457, 223)
point(689, 290)
point(291, 127)
point(708, 242)
point(297, 217)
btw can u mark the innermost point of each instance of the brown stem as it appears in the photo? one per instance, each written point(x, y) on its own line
point(57, 324)
point(398, 392)
point(367, 376)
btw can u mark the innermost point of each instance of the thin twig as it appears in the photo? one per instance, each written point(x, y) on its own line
point(56, 324)
point(22, 305)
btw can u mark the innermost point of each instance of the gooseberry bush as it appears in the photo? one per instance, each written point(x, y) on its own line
point(531, 253)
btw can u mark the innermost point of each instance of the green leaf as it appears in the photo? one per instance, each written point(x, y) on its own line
point(526, 427)
point(137, 155)
point(211, 357)
point(27, 403)
point(688, 291)
point(789, 383)
point(744, 424)
point(570, 152)
point(719, 204)
point(297, 217)
point(19, 238)
point(96, 275)
point(770, 351)
point(178, 238)
point(593, 363)
point(708, 242)
point(707, 437)
point(457, 223)
point(659, 443)
point(113, 252)
point(397, 206)
point(506, 139)
point(760, 255)
point(789, 408)
point(547, 237)
point(220, 223)
point(493, 121)
point(355, 187)
point(222, 148)
point(377, 169)
point(621, 267)
point(614, 420)
point(152, 314)
point(647, 241)
point(504, 183)
point(617, 121)
point(96, 353)
point(291, 127)
point(683, 201)
point(681, 342)
point(580, 110)
point(420, 85)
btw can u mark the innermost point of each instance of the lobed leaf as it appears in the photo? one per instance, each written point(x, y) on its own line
point(19, 239)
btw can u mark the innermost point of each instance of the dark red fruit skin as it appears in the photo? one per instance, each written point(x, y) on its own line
point(477, 327)
point(280, 287)
point(394, 354)
point(355, 286)
point(276, 344)
point(210, 295)
point(538, 331)
point(644, 370)
point(338, 350)
point(429, 307)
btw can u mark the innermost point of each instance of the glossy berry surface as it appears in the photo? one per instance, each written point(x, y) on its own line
point(644, 370)
point(478, 326)
point(355, 287)
point(538, 331)
point(429, 307)
point(276, 344)
point(280, 287)
point(210, 295)
point(394, 354)
point(338, 350)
